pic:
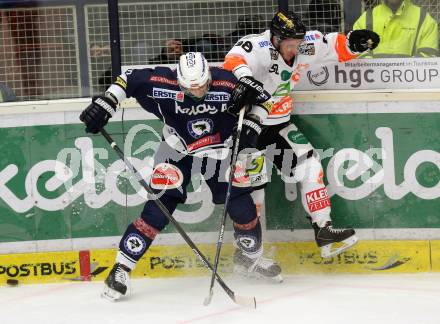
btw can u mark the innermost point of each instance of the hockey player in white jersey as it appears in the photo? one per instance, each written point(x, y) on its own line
point(273, 61)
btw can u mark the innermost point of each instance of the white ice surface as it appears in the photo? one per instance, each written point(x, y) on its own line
point(329, 299)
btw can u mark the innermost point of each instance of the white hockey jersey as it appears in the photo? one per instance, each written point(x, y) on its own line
point(254, 55)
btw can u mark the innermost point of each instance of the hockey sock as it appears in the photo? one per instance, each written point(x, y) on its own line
point(139, 234)
point(135, 242)
point(248, 238)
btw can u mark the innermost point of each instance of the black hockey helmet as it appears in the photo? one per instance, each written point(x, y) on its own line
point(287, 25)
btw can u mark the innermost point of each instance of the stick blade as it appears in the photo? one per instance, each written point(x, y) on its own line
point(244, 301)
point(208, 298)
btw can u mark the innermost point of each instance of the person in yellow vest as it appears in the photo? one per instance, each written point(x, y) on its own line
point(405, 30)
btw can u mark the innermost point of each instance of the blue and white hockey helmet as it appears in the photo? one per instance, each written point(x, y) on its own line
point(193, 74)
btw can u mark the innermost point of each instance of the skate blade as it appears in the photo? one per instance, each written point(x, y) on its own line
point(110, 294)
point(327, 251)
point(243, 272)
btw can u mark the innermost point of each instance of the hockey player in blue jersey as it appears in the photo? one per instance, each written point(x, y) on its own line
point(192, 101)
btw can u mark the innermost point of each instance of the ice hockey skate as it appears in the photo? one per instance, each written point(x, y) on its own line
point(327, 236)
point(117, 282)
point(257, 267)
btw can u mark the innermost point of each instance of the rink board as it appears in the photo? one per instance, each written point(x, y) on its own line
point(381, 161)
point(178, 260)
point(380, 153)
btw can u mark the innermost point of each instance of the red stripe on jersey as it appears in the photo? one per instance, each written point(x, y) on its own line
point(248, 226)
point(223, 83)
point(163, 80)
point(146, 229)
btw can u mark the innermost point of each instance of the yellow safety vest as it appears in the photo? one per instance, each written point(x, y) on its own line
point(410, 32)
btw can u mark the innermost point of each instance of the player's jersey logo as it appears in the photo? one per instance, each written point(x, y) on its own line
point(248, 243)
point(162, 93)
point(218, 96)
point(280, 108)
point(180, 97)
point(166, 176)
point(200, 127)
point(264, 43)
point(135, 244)
point(312, 37)
point(241, 176)
point(306, 49)
point(274, 54)
point(199, 109)
point(297, 137)
point(317, 199)
point(204, 141)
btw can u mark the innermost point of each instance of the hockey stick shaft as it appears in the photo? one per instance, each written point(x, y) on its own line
point(244, 301)
point(225, 210)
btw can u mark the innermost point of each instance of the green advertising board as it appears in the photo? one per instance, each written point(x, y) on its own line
point(56, 182)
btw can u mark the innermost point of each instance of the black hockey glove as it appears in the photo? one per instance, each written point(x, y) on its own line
point(249, 133)
point(362, 40)
point(247, 92)
point(97, 114)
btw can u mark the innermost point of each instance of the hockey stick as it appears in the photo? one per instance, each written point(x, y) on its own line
point(228, 195)
point(240, 300)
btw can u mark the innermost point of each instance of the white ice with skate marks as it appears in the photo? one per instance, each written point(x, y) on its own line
point(329, 299)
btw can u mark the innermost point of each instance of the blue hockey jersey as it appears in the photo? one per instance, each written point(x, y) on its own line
point(190, 126)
